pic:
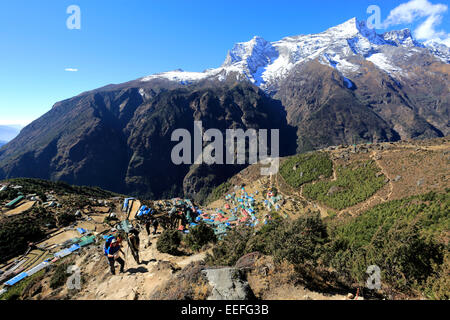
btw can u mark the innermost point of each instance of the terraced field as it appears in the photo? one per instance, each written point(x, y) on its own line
point(353, 185)
point(304, 168)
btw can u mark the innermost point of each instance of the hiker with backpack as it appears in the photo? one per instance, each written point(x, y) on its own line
point(148, 223)
point(151, 222)
point(111, 250)
point(133, 236)
point(155, 224)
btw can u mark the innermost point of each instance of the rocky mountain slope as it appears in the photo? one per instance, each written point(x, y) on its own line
point(347, 84)
point(120, 142)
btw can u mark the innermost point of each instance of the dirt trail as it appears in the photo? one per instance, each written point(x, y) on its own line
point(374, 199)
point(139, 280)
point(288, 292)
point(383, 170)
point(299, 194)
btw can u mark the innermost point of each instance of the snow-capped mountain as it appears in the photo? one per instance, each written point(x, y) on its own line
point(402, 38)
point(439, 49)
point(342, 47)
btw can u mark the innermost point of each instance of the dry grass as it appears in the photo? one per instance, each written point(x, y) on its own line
point(188, 284)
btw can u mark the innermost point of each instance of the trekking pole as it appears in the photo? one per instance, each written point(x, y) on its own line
point(128, 248)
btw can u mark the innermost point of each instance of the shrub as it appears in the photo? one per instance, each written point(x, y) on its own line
point(200, 236)
point(15, 234)
point(233, 246)
point(188, 284)
point(353, 185)
point(8, 194)
point(38, 186)
point(262, 240)
point(405, 259)
point(429, 210)
point(399, 237)
point(437, 286)
point(169, 241)
point(297, 242)
point(218, 192)
point(19, 290)
point(64, 219)
point(406, 239)
point(308, 167)
point(300, 241)
point(76, 202)
point(60, 275)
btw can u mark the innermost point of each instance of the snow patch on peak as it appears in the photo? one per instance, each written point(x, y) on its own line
point(179, 75)
point(402, 38)
point(383, 63)
point(338, 62)
point(252, 58)
point(347, 29)
point(340, 65)
point(352, 28)
point(439, 49)
point(243, 51)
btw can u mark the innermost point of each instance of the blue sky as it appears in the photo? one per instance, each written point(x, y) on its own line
point(121, 40)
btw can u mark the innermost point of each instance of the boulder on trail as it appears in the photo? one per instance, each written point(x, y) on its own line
point(228, 284)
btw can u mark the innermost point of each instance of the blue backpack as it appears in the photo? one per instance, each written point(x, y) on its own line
point(108, 241)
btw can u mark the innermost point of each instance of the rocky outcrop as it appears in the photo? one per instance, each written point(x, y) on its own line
point(228, 284)
point(325, 112)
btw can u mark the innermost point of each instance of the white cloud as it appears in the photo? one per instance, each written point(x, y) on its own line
point(415, 10)
point(71, 69)
point(446, 41)
point(15, 122)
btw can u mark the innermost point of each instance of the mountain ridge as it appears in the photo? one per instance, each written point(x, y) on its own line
point(345, 85)
point(262, 62)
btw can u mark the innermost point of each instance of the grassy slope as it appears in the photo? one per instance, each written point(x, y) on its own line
point(353, 185)
point(309, 167)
